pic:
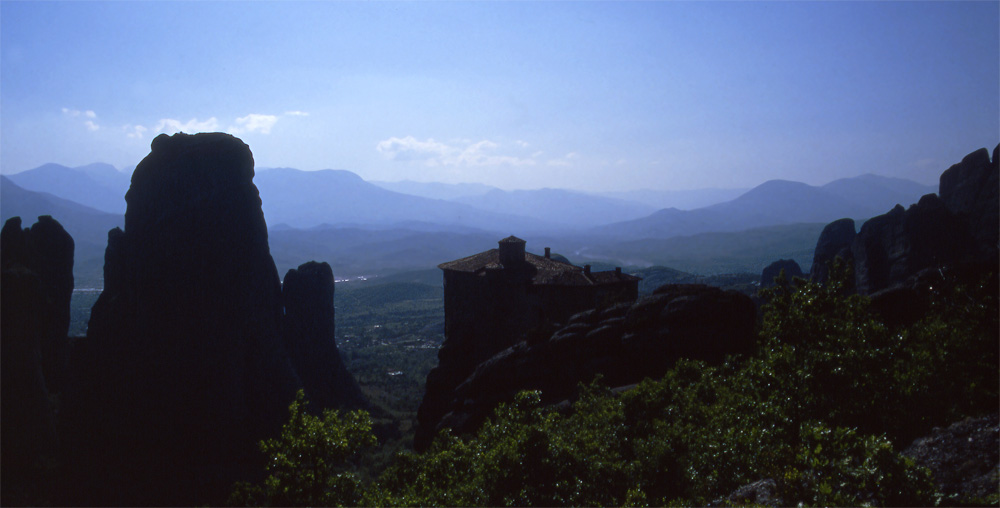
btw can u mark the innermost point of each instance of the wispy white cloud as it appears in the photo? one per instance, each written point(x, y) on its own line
point(171, 126)
point(564, 161)
point(251, 123)
point(90, 124)
point(134, 131)
point(76, 112)
point(254, 123)
point(455, 153)
point(412, 149)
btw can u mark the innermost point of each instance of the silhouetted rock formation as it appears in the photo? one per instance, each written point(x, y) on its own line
point(789, 266)
point(45, 249)
point(624, 343)
point(834, 242)
point(182, 371)
point(309, 338)
point(969, 190)
point(892, 247)
point(36, 284)
point(892, 251)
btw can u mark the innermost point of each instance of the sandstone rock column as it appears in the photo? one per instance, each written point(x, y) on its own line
point(309, 338)
point(183, 369)
point(36, 285)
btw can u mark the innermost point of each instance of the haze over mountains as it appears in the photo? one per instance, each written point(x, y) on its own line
point(88, 226)
point(778, 202)
point(364, 228)
point(305, 199)
point(98, 186)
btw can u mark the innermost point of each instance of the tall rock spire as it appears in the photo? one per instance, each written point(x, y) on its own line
point(183, 370)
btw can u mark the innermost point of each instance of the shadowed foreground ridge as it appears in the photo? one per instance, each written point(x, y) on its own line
point(183, 370)
point(36, 285)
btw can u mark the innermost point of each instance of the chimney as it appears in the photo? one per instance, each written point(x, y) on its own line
point(586, 269)
point(511, 251)
point(548, 253)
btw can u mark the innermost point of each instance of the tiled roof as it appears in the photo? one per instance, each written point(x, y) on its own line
point(544, 270)
point(474, 263)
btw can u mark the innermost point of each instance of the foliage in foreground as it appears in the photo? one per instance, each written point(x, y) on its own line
point(823, 408)
point(307, 464)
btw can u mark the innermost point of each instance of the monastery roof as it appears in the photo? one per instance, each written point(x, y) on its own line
point(545, 270)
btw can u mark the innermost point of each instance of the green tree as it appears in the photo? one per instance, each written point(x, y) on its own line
point(823, 408)
point(308, 464)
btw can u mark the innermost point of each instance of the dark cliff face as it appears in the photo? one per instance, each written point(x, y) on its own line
point(835, 241)
point(183, 370)
point(969, 190)
point(892, 247)
point(309, 339)
point(789, 266)
point(961, 227)
point(36, 285)
point(46, 250)
point(957, 228)
point(624, 343)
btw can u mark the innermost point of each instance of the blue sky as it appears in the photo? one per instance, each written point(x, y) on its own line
point(583, 95)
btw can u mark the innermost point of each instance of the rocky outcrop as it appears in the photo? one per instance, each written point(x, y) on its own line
point(892, 247)
point(46, 250)
point(961, 227)
point(624, 344)
point(958, 226)
point(36, 284)
point(834, 242)
point(183, 370)
point(773, 270)
point(964, 459)
point(969, 190)
point(307, 293)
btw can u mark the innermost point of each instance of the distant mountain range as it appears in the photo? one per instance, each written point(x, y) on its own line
point(88, 227)
point(436, 190)
point(98, 186)
point(563, 207)
point(653, 199)
point(679, 199)
point(304, 199)
point(777, 202)
point(363, 228)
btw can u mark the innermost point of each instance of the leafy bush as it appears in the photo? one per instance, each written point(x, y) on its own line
point(823, 408)
point(307, 464)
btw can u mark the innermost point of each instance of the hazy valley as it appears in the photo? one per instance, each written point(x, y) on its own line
point(366, 324)
point(364, 229)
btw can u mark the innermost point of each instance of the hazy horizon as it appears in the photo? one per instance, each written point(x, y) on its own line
point(586, 96)
point(130, 168)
